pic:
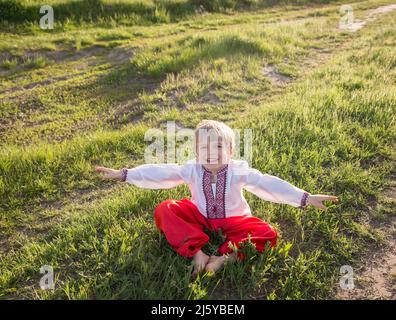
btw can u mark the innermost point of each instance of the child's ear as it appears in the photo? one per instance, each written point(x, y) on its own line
point(231, 151)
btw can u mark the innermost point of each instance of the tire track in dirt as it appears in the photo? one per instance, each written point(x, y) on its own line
point(115, 56)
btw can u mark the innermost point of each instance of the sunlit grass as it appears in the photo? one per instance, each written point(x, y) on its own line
point(331, 131)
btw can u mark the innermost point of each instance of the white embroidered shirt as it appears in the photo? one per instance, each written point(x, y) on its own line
point(224, 200)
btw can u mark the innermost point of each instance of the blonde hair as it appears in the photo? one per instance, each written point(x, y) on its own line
point(225, 132)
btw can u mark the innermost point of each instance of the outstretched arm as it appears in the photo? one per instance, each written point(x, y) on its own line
point(276, 190)
point(150, 176)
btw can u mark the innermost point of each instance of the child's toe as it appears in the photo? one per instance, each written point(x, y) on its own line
point(210, 267)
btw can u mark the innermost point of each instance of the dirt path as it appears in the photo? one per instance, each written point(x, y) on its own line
point(375, 278)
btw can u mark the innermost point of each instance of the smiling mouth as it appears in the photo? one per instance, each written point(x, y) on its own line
point(212, 160)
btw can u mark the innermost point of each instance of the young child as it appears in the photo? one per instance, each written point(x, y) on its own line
point(216, 182)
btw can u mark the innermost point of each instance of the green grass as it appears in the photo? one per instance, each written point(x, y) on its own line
point(330, 131)
point(9, 63)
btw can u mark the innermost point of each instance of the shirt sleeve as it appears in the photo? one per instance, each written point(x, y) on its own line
point(271, 188)
point(157, 176)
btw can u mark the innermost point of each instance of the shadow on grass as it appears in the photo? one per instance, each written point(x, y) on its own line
point(95, 10)
point(139, 12)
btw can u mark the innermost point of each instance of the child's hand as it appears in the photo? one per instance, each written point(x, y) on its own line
point(317, 199)
point(109, 173)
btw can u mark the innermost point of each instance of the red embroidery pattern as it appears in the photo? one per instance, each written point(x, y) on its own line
point(215, 207)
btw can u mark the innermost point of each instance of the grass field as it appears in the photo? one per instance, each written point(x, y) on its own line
point(321, 102)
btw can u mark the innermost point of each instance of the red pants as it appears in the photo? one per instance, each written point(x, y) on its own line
point(183, 226)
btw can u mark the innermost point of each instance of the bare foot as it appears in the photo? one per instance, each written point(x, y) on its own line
point(200, 260)
point(215, 263)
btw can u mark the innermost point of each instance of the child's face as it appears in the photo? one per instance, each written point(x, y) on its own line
point(212, 151)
